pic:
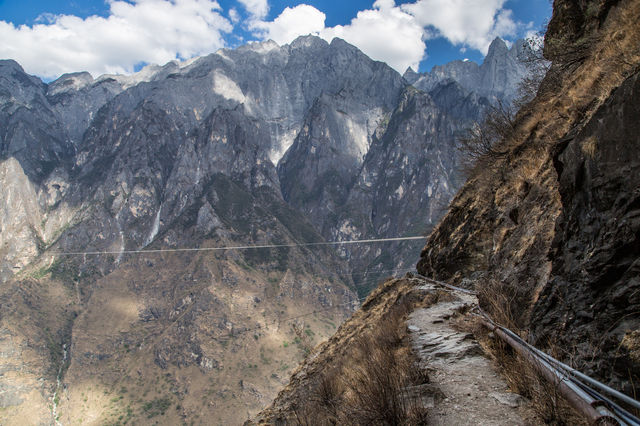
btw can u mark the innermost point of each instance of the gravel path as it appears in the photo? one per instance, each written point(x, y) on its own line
point(468, 389)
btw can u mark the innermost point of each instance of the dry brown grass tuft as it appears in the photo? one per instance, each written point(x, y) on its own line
point(500, 302)
point(373, 382)
point(522, 377)
point(378, 382)
point(485, 143)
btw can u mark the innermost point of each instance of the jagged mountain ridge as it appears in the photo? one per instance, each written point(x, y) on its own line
point(546, 233)
point(283, 96)
point(497, 77)
point(185, 155)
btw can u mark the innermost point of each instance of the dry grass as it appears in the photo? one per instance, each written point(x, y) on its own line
point(523, 378)
point(501, 303)
point(485, 141)
point(373, 382)
point(631, 342)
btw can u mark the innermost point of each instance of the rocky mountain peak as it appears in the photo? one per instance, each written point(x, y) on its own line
point(410, 75)
point(497, 47)
point(69, 82)
point(496, 78)
point(259, 46)
point(17, 87)
point(257, 146)
point(308, 42)
point(10, 64)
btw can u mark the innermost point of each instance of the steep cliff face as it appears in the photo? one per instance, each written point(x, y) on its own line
point(409, 167)
point(21, 218)
point(591, 300)
point(30, 131)
point(410, 163)
point(264, 144)
point(552, 225)
point(112, 141)
point(497, 77)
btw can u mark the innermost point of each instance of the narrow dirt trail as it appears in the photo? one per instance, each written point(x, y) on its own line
point(469, 390)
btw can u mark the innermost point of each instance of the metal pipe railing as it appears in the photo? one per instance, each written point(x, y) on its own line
point(577, 375)
point(571, 383)
point(576, 398)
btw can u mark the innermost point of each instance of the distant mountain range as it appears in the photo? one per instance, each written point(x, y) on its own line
point(264, 144)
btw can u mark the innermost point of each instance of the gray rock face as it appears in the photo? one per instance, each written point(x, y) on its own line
point(377, 200)
point(410, 166)
point(20, 220)
point(496, 78)
point(595, 252)
point(76, 98)
point(321, 124)
point(264, 144)
point(29, 129)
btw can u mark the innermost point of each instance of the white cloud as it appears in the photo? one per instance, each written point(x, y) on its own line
point(384, 33)
point(157, 31)
point(152, 31)
point(474, 23)
point(258, 9)
point(384, 4)
point(234, 15)
point(291, 23)
point(396, 34)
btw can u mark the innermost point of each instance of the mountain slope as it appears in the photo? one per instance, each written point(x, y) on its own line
point(212, 153)
point(497, 77)
point(547, 233)
point(551, 226)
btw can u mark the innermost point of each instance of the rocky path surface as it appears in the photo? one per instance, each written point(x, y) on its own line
point(467, 386)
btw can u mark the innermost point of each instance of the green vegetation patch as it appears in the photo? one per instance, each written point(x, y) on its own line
point(156, 407)
point(65, 271)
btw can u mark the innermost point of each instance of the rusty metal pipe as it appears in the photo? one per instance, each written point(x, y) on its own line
point(604, 388)
point(596, 399)
point(576, 401)
point(620, 412)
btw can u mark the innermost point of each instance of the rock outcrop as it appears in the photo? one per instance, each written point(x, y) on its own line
point(497, 77)
point(552, 227)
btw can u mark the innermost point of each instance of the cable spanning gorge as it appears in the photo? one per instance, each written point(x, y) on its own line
point(246, 247)
point(194, 242)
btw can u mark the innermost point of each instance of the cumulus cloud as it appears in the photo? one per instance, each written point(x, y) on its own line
point(152, 31)
point(258, 9)
point(472, 23)
point(396, 34)
point(157, 31)
point(291, 23)
point(234, 15)
point(385, 33)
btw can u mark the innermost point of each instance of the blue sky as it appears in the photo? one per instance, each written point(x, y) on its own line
point(52, 37)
